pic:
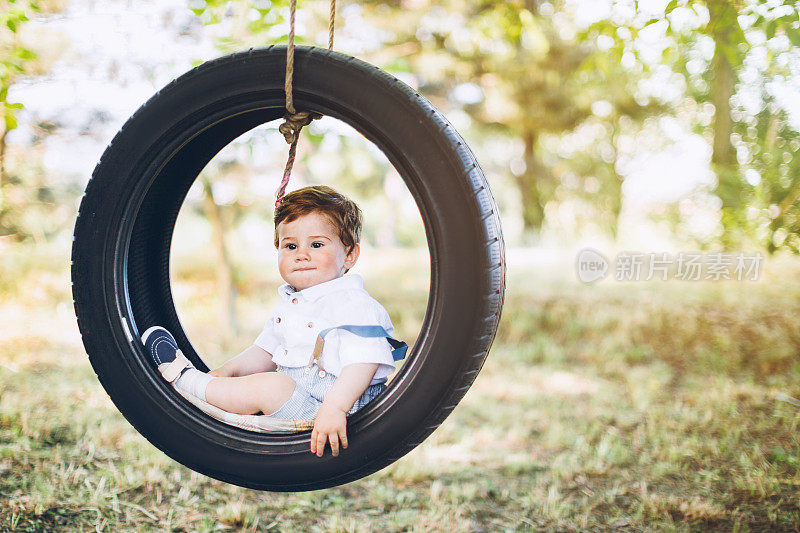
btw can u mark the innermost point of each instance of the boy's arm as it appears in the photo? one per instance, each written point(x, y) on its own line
point(331, 422)
point(251, 361)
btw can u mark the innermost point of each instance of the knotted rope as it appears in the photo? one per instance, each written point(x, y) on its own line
point(295, 121)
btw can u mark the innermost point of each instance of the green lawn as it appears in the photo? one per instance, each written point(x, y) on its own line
point(640, 406)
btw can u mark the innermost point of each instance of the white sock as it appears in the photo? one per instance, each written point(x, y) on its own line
point(194, 382)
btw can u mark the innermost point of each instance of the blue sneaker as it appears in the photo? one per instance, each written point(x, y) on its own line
point(163, 349)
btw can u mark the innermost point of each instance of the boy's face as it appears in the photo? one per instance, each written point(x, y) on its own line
point(310, 252)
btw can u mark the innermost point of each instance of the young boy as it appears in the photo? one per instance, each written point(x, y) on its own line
point(288, 373)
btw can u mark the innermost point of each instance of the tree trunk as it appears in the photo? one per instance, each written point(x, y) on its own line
point(615, 196)
point(226, 285)
point(722, 89)
point(387, 233)
point(723, 84)
point(535, 185)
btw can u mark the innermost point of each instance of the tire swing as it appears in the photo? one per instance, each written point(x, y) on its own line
point(123, 234)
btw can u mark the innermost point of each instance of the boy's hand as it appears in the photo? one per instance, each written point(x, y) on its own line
point(330, 425)
point(331, 422)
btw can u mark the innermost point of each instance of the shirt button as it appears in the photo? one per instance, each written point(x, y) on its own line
point(322, 373)
point(311, 324)
point(278, 320)
point(294, 300)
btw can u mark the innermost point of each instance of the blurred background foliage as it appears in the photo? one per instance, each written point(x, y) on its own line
point(558, 99)
point(26, 192)
point(615, 123)
point(574, 96)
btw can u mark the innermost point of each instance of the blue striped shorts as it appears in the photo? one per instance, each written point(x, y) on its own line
point(310, 391)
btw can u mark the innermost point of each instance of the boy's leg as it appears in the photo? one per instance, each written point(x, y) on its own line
point(265, 392)
point(253, 360)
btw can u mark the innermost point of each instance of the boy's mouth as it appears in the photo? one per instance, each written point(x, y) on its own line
point(304, 269)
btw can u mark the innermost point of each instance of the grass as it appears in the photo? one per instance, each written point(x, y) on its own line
point(636, 406)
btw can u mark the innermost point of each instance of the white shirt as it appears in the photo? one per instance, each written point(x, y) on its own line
point(291, 332)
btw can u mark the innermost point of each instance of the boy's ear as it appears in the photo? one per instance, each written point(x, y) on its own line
point(352, 256)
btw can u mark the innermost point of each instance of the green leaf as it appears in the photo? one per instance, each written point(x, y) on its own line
point(11, 122)
point(771, 27)
point(12, 24)
point(794, 36)
point(25, 53)
point(671, 7)
point(786, 21)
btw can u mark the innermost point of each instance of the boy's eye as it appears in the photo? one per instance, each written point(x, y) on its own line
point(317, 245)
point(290, 246)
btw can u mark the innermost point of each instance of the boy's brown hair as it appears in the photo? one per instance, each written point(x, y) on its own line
point(343, 213)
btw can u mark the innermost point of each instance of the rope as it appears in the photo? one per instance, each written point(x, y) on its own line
point(294, 121)
point(330, 24)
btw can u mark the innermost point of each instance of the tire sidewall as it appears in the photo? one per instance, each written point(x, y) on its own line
point(465, 243)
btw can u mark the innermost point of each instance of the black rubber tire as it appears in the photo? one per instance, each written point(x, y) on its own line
point(121, 249)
